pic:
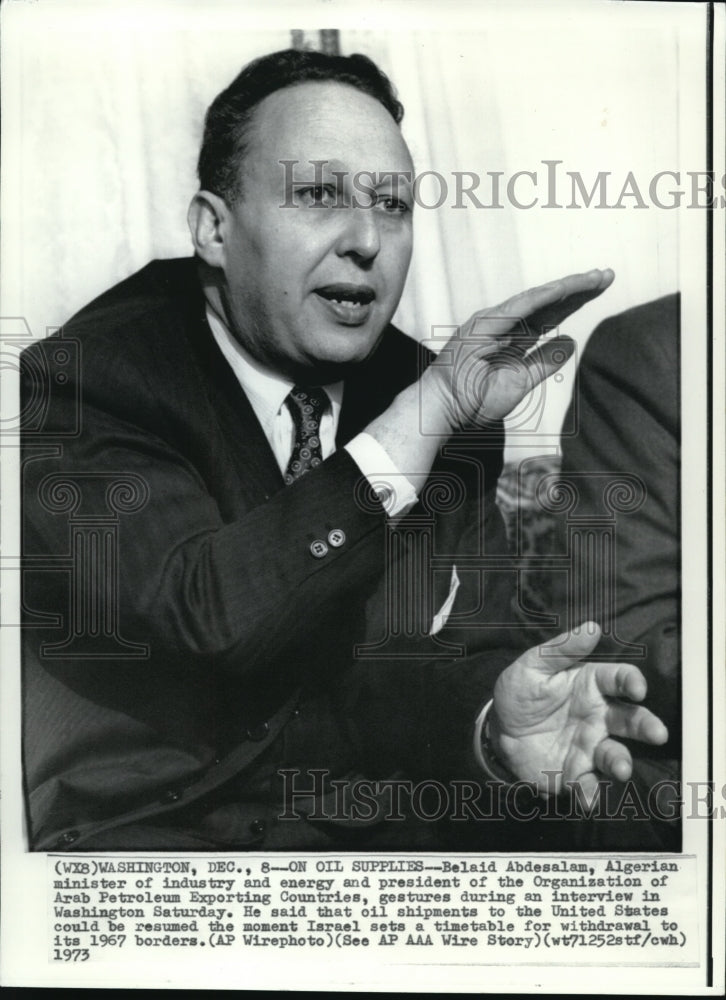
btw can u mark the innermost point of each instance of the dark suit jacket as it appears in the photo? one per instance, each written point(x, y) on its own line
point(627, 420)
point(182, 643)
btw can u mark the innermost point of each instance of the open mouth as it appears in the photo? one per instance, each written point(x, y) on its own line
point(347, 304)
point(347, 295)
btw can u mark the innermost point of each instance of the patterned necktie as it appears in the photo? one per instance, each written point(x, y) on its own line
point(306, 406)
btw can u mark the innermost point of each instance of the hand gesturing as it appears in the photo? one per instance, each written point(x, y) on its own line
point(489, 365)
point(554, 712)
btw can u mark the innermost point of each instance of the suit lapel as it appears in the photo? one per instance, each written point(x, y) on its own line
point(370, 389)
point(250, 450)
point(247, 444)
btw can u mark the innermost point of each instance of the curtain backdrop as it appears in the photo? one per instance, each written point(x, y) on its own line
point(103, 112)
point(599, 93)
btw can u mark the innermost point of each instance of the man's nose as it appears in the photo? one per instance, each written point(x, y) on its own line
point(359, 236)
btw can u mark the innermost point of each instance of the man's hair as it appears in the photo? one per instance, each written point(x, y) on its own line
point(228, 120)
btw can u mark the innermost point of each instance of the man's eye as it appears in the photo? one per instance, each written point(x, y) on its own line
point(318, 195)
point(394, 206)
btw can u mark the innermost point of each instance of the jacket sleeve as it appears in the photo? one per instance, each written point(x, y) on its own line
point(415, 695)
point(196, 575)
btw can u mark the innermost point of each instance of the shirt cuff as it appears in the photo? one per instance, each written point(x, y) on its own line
point(392, 488)
point(493, 768)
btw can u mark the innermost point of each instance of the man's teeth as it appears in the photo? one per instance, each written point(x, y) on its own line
point(350, 299)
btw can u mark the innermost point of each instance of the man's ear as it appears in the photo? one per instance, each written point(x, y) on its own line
point(206, 217)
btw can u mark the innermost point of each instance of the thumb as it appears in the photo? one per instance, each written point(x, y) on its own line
point(548, 358)
point(567, 648)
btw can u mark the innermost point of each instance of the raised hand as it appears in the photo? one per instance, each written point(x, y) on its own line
point(491, 362)
point(555, 711)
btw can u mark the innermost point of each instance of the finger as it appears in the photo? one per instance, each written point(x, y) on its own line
point(635, 722)
point(548, 358)
point(588, 283)
point(550, 316)
point(510, 375)
point(586, 791)
point(613, 760)
point(566, 649)
point(545, 306)
point(620, 680)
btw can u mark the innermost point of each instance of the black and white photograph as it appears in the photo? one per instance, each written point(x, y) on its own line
point(362, 433)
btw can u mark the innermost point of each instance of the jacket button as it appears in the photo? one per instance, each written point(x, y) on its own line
point(318, 548)
point(257, 733)
point(257, 827)
point(171, 795)
point(69, 837)
point(336, 538)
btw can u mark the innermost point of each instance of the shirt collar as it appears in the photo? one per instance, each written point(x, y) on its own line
point(265, 389)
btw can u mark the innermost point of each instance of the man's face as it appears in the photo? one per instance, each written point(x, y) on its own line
point(311, 279)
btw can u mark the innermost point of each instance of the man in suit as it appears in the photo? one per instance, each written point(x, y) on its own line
point(213, 498)
point(627, 423)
